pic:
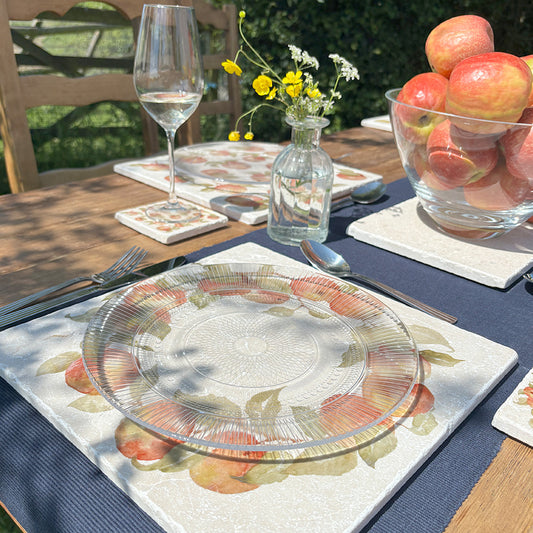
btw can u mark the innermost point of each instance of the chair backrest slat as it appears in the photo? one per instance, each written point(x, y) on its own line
point(20, 93)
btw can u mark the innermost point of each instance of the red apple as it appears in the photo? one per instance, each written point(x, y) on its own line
point(425, 92)
point(498, 191)
point(529, 61)
point(454, 165)
point(456, 39)
point(493, 86)
point(134, 441)
point(517, 146)
point(418, 159)
point(225, 476)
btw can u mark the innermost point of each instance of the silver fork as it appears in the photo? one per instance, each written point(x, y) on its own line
point(123, 265)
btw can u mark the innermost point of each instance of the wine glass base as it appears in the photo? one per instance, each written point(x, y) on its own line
point(169, 213)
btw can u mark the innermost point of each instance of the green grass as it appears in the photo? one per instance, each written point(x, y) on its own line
point(6, 523)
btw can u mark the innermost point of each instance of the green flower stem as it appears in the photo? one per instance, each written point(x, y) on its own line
point(262, 63)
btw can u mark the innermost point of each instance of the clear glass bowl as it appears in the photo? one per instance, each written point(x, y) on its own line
point(473, 177)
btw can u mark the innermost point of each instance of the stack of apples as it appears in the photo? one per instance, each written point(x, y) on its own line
point(481, 144)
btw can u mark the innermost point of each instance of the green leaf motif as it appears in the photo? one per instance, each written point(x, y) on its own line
point(319, 314)
point(280, 311)
point(425, 335)
point(439, 358)
point(308, 421)
point(269, 471)
point(161, 331)
point(176, 460)
point(84, 317)
point(210, 404)
point(90, 403)
point(264, 404)
point(351, 357)
point(379, 448)
point(331, 466)
point(59, 363)
point(423, 424)
point(201, 299)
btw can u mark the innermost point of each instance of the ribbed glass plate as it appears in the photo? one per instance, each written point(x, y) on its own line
point(251, 357)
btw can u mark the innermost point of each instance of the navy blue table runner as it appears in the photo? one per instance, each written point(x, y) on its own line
point(50, 486)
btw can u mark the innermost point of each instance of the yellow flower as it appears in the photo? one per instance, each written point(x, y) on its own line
point(262, 85)
point(249, 136)
point(292, 79)
point(272, 94)
point(313, 93)
point(294, 90)
point(242, 14)
point(234, 136)
point(231, 68)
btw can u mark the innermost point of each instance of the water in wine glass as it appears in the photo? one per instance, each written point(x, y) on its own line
point(171, 109)
point(169, 79)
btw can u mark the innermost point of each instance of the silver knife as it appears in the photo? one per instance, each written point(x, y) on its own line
point(44, 308)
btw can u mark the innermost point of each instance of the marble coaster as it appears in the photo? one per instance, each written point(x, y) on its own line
point(194, 221)
point(407, 230)
point(515, 416)
point(378, 123)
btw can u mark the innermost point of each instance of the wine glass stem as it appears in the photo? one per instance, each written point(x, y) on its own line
point(171, 135)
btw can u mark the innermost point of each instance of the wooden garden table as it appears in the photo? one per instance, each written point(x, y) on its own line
point(56, 233)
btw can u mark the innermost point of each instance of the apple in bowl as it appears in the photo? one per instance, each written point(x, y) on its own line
point(456, 39)
point(494, 87)
point(421, 94)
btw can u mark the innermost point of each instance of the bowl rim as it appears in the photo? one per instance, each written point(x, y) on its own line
point(391, 97)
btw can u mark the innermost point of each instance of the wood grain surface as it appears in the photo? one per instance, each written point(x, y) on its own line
point(56, 233)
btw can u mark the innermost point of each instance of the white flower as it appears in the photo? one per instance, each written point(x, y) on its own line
point(296, 53)
point(348, 71)
point(303, 58)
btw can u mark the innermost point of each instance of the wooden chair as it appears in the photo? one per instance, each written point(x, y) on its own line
point(18, 93)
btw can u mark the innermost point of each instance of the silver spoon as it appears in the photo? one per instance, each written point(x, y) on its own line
point(366, 194)
point(329, 261)
point(528, 277)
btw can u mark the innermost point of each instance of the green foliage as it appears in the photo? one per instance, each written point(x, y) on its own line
point(384, 39)
point(6, 524)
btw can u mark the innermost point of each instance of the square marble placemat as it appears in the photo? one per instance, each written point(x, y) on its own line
point(193, 221)
point(335, 494)
point(515, 416)
point(381, 122)
point(232, 178)
point(406, 230)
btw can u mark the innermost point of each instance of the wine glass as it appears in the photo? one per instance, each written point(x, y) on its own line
point(169, 80)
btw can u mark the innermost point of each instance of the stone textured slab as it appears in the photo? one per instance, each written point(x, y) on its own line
point(515, 416)
point(336, 494)
point(232, 178)
point(405, 229)
point(194, 221)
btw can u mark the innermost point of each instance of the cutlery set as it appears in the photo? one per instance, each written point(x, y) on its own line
point(123, 273)
point(128, 276)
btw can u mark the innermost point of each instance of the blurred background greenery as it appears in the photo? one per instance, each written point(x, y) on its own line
point(384, 39)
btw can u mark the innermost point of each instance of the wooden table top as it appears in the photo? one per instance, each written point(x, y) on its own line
point(57, 233)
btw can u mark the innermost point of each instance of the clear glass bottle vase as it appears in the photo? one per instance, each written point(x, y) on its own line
point(300, 188)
